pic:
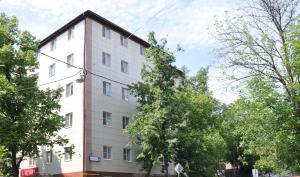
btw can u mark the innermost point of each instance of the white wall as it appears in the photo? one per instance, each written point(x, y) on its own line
point(73, 104)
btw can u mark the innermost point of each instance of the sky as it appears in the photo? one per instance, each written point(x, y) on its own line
point(188, 23)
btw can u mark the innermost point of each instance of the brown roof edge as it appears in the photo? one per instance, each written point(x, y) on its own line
point(97, 18)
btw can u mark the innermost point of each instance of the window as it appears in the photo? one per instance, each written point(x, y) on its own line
point(49, 156)
point(107, 119)
point(71, 33)
point(125, 94)
point(53, 45)
point(106, 32)
point(107, 152)
point(106, 88)
point(142, 50)
point(52, 70)
point(68, 120)
point(123, 41)
point(125, 121)
point(32, 161)
point(70, 60)
point(124, 67)
point(68, 153)
point(69, 89)
point(106, 59)
point(126, 154)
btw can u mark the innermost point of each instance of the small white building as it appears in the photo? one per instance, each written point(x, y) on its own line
point(95, 103)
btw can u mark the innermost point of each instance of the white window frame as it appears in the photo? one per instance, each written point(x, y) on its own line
point(107, 119)
point(49, 157)
point(52, 70)
point(71, 33)
point(124, 66)
point(106, 32)
point(69, 120)
point(106, 59)
point(107, 152)
point(106, 88)
point(127, 154)
point(125, 121)
point(67, 154)
point(69, 89)
point(53, 45)
point(125, 94)
point(123, 41)
point(70, 60)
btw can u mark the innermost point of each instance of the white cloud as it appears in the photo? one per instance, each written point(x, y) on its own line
point(185, 22)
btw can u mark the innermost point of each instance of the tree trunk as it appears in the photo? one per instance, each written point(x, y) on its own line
point(15, 171)
point(14, 165)
point(166, 166)
point(149, 170)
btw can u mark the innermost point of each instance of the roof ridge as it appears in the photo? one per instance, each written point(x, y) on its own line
point(99, 19)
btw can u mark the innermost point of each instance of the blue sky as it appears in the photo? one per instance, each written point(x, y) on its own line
point(189, 23)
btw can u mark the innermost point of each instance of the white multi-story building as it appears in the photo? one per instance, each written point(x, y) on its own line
point(96, 103)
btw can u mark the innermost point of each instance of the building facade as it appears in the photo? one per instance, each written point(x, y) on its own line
point(97, 60)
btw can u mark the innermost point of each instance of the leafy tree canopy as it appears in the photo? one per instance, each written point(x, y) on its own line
point(28, 116)
point(177, 117)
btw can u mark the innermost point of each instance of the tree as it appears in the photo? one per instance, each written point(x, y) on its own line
point(175, 122)
point(28, 116)
point(264, 124)
point(200, 148)
point(242, 163)
point(154, 124)
point(259, 41)
point(261, 44)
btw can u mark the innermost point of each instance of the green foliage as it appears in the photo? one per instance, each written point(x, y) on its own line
point(5, 166)
point(28, 116)
point(200, 146)
point(154, 124)
point(264, 122)
point(175, 123)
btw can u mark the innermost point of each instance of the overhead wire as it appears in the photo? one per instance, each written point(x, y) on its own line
point(50, 82)
point(59, 60)
point(85, 71)
point(147, 21)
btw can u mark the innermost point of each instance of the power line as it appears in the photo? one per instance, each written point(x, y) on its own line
point(97, 75)
point(60, 60)
point(50, 82)
point(85, 70)
point(147, 21)
point(60, 79)
point(94, 74)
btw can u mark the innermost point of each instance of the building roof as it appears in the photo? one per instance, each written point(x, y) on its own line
point(98, 18)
